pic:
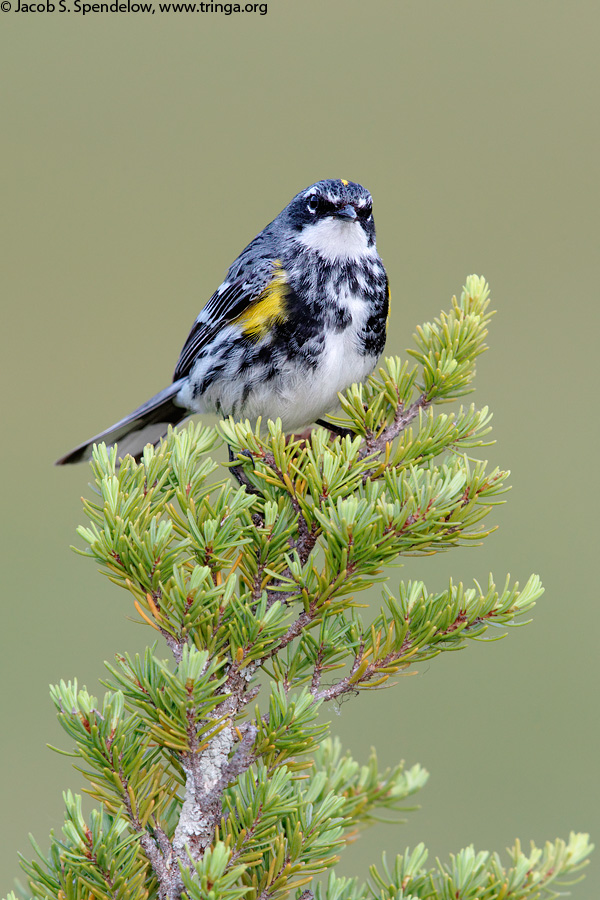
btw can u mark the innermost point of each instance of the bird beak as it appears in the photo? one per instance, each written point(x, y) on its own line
point(348, 212)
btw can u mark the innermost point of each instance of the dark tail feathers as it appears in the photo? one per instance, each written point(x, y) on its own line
point(145, 425)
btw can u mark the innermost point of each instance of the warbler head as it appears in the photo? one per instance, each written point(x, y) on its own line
point(333, 218)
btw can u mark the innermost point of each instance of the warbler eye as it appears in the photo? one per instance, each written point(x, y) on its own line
point(313, 203)
point(365, 212)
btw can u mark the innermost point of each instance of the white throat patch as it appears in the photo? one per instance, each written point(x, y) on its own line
point(336, 239)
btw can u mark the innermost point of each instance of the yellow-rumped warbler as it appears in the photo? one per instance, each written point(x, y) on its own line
point(300, 316)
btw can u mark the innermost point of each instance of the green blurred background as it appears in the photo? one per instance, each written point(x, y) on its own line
point(139, 155)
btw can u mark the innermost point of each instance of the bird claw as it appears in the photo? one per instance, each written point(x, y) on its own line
point(336, 430)
point(238, 470)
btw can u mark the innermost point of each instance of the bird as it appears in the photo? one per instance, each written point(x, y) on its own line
point(300, 316)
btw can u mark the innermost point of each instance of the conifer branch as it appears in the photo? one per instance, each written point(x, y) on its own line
point(200, 792)
point(375, 444)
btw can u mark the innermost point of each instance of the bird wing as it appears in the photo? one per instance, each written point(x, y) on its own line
point(244, 291)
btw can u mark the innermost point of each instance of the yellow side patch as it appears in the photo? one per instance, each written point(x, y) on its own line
point(344, 182)
point(268, 309)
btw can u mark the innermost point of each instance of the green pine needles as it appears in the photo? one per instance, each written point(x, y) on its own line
point(212, 771)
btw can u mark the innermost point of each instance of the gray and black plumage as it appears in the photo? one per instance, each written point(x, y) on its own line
point(300, 316)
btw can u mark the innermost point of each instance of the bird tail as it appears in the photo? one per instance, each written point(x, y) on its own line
point(145, 425)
